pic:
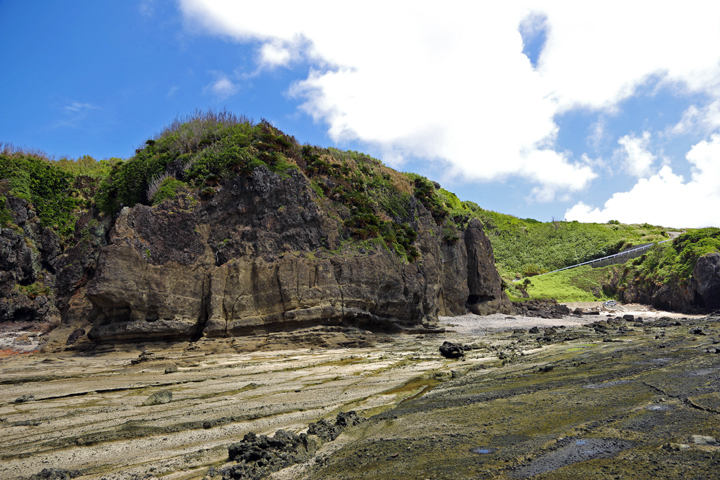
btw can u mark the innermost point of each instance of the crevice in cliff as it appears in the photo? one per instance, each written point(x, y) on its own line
point(204, 310)
point(280, 289)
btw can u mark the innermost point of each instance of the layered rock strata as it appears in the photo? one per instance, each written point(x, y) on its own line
point(261, 255)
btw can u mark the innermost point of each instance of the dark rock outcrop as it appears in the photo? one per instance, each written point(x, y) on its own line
point(262, 256)
point(485, 294)
point(451, 350)
point(542, 309)
point(42, 277)
point(259, 455)
point(701, 293)
point(706, 281)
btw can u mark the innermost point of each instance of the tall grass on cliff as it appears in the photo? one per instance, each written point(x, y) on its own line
point(195, 152)
point(56, 189)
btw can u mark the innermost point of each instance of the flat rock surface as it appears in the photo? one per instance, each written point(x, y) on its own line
point(583, 397)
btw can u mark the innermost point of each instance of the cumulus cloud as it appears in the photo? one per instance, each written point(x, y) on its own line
point(665, 198)
point(705, 119)
point(452, 84)
point(638, 160)
point(223, 87)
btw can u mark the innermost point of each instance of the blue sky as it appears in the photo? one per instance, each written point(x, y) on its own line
point(543, 110)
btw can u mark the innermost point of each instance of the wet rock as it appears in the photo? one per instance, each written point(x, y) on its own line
point(629, 318)
point(75, 336)
point(158, 398)
point(696, 331)
point(451, 350)
point(534, 330)
point(348, 419)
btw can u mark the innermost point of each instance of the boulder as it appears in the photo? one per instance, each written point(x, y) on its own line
point(451, 350)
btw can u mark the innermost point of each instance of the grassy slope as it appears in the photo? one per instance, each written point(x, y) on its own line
point(581, 284)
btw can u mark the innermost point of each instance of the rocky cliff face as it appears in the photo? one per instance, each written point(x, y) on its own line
point(701, 293)
point(261, 256)
point(42, 279)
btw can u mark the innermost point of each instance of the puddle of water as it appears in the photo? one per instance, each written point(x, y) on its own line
point(482, 450)
point(658, 408)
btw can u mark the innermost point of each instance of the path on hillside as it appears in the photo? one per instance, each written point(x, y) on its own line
point(621, 257)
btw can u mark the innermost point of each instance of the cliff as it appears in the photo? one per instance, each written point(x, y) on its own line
point(682, 275)
point(220, 227)
point(263, 256)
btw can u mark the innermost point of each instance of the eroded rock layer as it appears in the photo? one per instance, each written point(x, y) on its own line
point(261, 255)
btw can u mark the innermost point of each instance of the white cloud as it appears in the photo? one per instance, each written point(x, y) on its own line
point(638, 159)
point(75, 107)
point(665, 198)
point(705, 119)
point(223, 87)
point(274, 54)
point(452, 85)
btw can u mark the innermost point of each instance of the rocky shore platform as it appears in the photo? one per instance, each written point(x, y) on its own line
point(631, 394)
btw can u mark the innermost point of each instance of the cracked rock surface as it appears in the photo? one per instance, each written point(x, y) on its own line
point(592, 397)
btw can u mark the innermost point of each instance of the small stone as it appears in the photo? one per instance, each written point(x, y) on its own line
point(703, 440)
point(171, 369)
point(163, 396)
point(25, 398)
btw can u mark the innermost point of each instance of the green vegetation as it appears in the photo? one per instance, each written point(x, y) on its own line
point(528, 247)
point(33, 290)
point(672, 261)
point(581, 284)
point(50, 190)
point(195, 154)
point(197, 151)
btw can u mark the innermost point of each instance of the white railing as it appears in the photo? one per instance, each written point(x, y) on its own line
point(626, 252)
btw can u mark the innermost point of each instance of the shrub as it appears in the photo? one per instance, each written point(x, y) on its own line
point(169, 188)
point(48, 188)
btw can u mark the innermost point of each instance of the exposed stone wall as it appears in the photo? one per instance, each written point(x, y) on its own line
point(263, 256)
